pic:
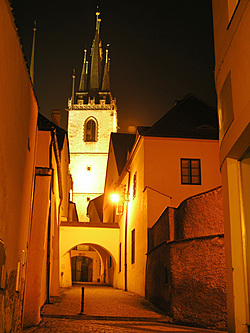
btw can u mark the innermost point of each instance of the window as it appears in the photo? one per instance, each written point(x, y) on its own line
point(190, 171)
point(90, 130)
point(225, 106)
point(110, 261)
point(133, 246)
point(134, 184)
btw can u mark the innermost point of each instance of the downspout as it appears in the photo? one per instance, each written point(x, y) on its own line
point(49, 227)
point(126, 238)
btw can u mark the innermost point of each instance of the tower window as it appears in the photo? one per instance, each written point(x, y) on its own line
point(190, 171)
point(90, 130)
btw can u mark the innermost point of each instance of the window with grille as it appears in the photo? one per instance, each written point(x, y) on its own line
point(190, 171)
point(90, 134)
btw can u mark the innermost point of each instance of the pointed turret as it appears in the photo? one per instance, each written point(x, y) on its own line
point(105, 80)
point(73, 87)
point(96, 54)
point(84, 76)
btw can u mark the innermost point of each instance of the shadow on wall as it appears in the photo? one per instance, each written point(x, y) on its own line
point(186, 274)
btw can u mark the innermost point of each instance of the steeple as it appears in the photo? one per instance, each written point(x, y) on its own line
point(96, 55)
point(94, 86)
point(105, 80)
point(84, 76)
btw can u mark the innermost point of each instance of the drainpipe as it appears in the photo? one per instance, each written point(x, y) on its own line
point(48, 252)
point(49, 227)
point(126, 238)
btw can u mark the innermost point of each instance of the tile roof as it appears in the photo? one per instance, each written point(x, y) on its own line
point(122, 144)
point(189, 118)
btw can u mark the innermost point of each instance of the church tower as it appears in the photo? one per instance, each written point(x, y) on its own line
point(92, 116)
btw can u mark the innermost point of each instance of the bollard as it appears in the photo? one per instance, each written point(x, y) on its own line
point(82, 302)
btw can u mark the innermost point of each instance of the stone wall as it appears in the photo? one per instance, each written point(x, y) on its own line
point(186, 262)
point(198, 284)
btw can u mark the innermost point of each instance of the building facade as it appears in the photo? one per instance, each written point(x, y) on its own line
point(92, 116)
point(18, 133)
point(159, 167)
point(52, 185)
point(231, 20)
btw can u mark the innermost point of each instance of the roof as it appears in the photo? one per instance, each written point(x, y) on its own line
point(189, 118)
point(46, 125)
point(122, 144)
point(98, 204)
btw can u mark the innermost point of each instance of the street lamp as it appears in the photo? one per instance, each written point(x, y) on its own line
point(115, 198)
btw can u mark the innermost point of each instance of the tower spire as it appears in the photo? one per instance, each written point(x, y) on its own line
point(98, 20)
point(105, 80)
point(84, 75)
point(73, 87)
point(32, 60)
point(96, 54)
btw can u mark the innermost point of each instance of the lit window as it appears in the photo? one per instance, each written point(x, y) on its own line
point(133, 246)
point(134, 184)
point(190, 171)
point(90, 130)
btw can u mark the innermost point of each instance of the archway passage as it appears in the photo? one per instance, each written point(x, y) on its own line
point(82, 269)
point(87, 263)
point(101, 244)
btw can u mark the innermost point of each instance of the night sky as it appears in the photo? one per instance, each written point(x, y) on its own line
point(160, 51)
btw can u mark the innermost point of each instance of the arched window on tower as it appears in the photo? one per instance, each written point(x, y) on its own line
point(90, 130)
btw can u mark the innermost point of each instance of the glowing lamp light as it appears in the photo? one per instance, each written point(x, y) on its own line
point(115, 197)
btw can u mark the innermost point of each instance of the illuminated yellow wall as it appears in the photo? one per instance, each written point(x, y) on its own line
point(232, 72)
point(163, 166)
point(156, 162)
point(18, 119)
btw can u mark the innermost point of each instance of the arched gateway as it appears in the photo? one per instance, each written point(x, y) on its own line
point(98, 244)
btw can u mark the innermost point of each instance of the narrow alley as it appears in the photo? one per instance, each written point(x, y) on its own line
point(106, 310)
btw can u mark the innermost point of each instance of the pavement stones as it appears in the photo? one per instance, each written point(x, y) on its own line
point(106, 310)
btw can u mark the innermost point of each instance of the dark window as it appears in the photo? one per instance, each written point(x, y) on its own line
point(133, 246)
point(110, 261)
point(90, 131)
point(190, 171)
point(134, 184)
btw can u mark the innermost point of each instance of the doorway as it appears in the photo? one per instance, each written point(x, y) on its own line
point(82, 269)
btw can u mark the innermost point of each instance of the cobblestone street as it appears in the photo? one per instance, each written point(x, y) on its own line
point(106, 310)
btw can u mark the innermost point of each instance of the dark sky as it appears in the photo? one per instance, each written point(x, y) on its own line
point(160, 51)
